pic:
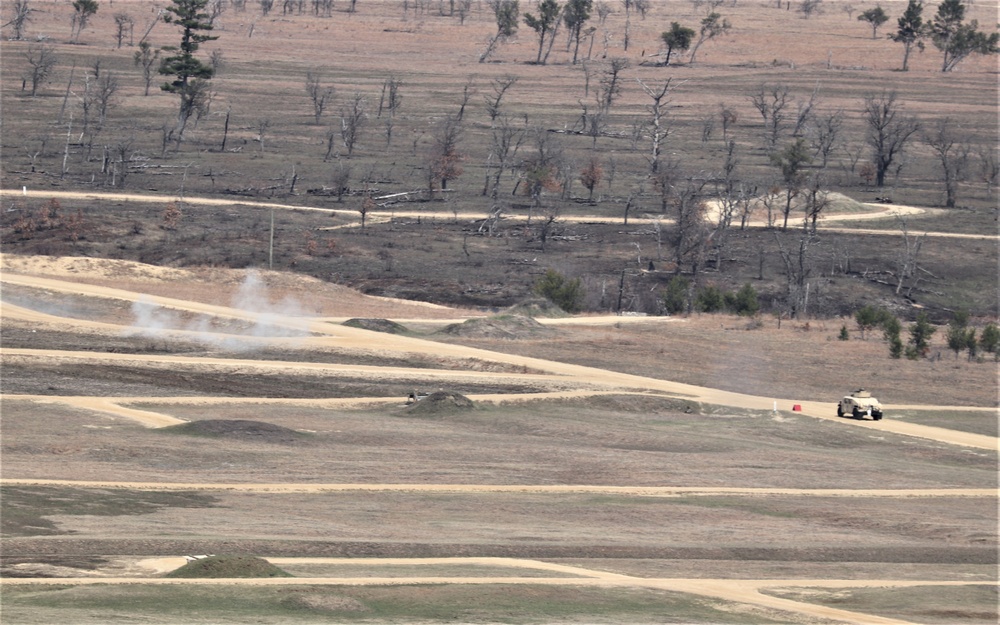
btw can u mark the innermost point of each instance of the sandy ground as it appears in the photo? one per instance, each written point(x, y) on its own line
point(562, 379)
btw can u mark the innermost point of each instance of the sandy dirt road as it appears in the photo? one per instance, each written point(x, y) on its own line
point(747, 591)
point(879, 211)
point(552, 489)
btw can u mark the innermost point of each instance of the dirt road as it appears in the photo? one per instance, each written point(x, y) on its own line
point(747, 591)
point(880, 211)
point(560, 489)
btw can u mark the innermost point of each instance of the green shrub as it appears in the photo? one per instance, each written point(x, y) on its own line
point(989, 338)
point(744, 302)
point(675, 295)
point(920, 335)
point(561, 291)
point(710, 299)
point(869, 317)
point(843, 333)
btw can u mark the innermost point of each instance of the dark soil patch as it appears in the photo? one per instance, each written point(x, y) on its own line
point(240, 429)
point(377, 325)
point(228, 566)
point(25, 510)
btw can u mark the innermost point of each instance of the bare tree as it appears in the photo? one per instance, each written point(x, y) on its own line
point(319, 95)
point(445, 159)
point(215, 10)
point(148, 58)
point(266, 6)
point(603, 11)
point(507, 139)
point(771, 102)
point(817, 199)
point(888, 130)
point(804, 113)
point(989, 171)
point(263, 125)
point(41, 62)
point(797, 271)
point(540, 170)
point(952, 151)
point(692, 235)
point(808, 8)
point(123, 24)
point(340, 178)
point(907, 260)
point(353, 118)
point(611, 86)
point(121, 156)
point(390, 99)
point(629, 5)
point(105, 89)
point(21, 18)
point(824, 133)
point(660, 131)
point(33, 153)
point(495, 101)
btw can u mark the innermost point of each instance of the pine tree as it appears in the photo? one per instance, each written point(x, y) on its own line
point(191, 75)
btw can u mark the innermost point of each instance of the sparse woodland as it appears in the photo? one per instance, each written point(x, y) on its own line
point(465, 142)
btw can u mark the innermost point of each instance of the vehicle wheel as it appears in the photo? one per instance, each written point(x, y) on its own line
point(877, 417)
point(840, 410)
point(857, 413)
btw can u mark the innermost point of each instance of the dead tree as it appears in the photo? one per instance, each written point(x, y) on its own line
point(797, 272)
point(907, 260)
point(657, 111)
point(952, 152)
point(41, 62)
point(20, 20)
point(888, 130)
point(353, 117)
point(319, 95)
point(771, 102)
point(390, 98)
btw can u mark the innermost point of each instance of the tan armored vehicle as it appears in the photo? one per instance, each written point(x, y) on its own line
point(859, 404)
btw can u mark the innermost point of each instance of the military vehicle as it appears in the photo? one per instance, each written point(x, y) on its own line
point(859, 404)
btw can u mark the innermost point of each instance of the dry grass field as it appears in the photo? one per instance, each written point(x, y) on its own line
point(165, 395)
point(658, 507)
point(262, 78)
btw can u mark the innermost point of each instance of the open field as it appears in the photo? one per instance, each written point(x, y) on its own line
point(178, 378)
point(409, 249)
point(560, 497)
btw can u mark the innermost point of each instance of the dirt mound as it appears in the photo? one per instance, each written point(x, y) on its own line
point(536, 307)
point(499, 327)
point(376, 325)
point(241, 429)
point(441, 403)
point(228, 566)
